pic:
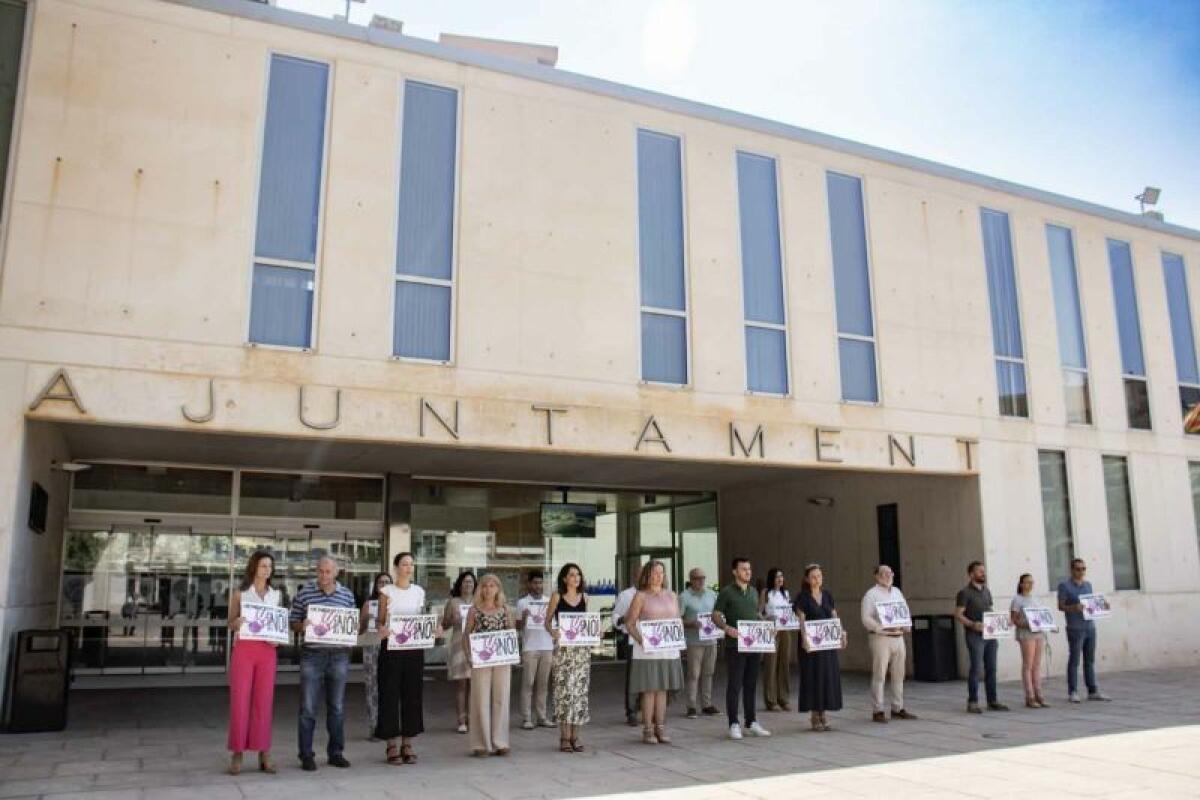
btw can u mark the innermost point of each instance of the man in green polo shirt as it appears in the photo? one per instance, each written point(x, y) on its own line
point(736, 602)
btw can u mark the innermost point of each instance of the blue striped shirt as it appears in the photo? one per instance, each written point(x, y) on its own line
point(311, 594)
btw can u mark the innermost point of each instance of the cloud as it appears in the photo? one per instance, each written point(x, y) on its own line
point(669, 34)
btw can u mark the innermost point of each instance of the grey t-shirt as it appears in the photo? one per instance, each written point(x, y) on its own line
point(1019, 603)
point(974, 601)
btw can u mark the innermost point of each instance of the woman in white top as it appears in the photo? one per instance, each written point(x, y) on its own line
point(252, 669)
point(777, 666)
point(368, 639)
point(1032, 643)
point(401, 672)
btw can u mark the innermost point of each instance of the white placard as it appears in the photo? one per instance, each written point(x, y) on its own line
point(264, 623)
point(495, 648)
point(1095, 606)
point(537, 611)
point(894, 614)
point(756, 636)
point(785, 618)
point(579, 629)
point(998, 625)
point(662, 635)
point(411, 631)
point(707, 629)
point(823, 634)
point(1040, 619)
point(332, 625)
point(464, 614)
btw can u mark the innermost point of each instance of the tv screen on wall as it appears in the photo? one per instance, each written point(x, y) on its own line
point(576, 520)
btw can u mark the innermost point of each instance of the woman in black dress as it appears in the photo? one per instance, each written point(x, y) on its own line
point(820, 675)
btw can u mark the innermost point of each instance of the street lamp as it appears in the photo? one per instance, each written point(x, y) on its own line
point(1148, 197)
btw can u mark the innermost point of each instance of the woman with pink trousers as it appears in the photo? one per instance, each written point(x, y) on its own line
point(252, 670)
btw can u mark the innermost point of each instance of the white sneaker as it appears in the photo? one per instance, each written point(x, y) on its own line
point(735, 731)
point(758, 730)
point(1073, 697)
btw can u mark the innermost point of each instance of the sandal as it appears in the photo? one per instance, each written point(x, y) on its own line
point(660, 733)
point(501, 751)
point(575, 745)
point(235, 764)
point(648, 736)
point(265, 764)
point(564, 746)
point(407, 755)
point(393, 755)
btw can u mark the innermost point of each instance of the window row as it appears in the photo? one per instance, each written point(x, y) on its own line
point(288, 246)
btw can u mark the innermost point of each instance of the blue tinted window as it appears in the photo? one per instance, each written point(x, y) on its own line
point(1129, 327)
point(1002, 284)
point(664, 348)
point(281, 305)
point(848, 237)
point(428, 144)
point(289, 194)
point(766, 360)
point(1066, 297)
point(660, 220)
point(762, 264)
point(422, 327)
point(1179, 308)
point(857, 361)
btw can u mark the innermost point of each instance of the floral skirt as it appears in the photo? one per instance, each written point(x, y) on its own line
point(572, 679)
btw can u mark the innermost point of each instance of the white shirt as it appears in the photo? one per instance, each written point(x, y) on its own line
point(877, 594)
point(777, 598)
point(621, 608)
point(534, 636)
point(271, 598)
point(404, 601)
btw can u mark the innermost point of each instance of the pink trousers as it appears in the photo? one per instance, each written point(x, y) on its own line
point(251, 696)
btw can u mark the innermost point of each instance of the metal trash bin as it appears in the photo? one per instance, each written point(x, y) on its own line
point(35, 698)
point(934, 655)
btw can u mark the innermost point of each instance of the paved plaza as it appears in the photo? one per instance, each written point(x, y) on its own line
point(169, 743)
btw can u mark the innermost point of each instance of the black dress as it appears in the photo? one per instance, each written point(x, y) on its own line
point(820, 675)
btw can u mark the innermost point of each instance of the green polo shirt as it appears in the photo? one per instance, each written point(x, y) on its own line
point(737, 605)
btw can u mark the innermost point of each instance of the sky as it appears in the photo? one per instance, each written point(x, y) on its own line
point(1086, 98)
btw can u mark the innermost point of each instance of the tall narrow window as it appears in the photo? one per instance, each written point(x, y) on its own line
point(12, 36)
point(1006, 314)
point(424, 301)
point(1056, 515)
point(1129, 332)
point(1071, 348)
point(762, 275)
point(661, 255)
point(852, 287)
point(1182, 333)
point(1120, 523)
point(289, 203)
point(1194, 470)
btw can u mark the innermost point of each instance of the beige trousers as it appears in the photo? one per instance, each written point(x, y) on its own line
point(535, 680)
point(887, 653)
point(777, 671)
point(701, 663)
point(489, 707)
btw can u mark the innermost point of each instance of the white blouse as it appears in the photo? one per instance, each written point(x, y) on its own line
point(404, 601)
point(271, 598)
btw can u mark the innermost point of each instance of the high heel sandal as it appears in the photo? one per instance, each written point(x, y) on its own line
point(648, 736)
point(815, 721)
point(564, 745)
point(407, 755)
point(575, 745)
point(393, 755)
point(824, 723)
point(265, 764)
point(235, 764)
point(660, 733)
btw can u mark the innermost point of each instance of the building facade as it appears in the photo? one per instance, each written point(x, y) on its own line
point(273, 281)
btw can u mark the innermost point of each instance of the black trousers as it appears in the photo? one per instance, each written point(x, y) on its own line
point(401, 693)
point(741, 678)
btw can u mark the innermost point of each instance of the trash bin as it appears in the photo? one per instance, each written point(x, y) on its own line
point(35, 698)
point(934, 654)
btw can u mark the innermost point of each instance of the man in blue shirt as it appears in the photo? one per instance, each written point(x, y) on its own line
point(1081, 633)
point(323, 667)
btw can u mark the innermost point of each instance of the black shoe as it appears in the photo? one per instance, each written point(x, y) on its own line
point(710, 711)
point(997, 707)
point(338, 761)
point(631, 720)
point(308, 764)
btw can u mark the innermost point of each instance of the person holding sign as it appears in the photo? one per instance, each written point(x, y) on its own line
point(1081, 633)
point(655, 672)
point(886, 638)
point(368, 638)
point(695, 608)
point(252, 664)
point(820, 675)
point(738, 602)
point(971, 603)
point(1032, 642)
point(458, 663)
point(537, 653)
point(490, 685)
point(401, 672)
point(572, 665)
point(775, 602)
point(324, 659)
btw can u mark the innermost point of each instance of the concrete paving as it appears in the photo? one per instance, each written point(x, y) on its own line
point(169, 743)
